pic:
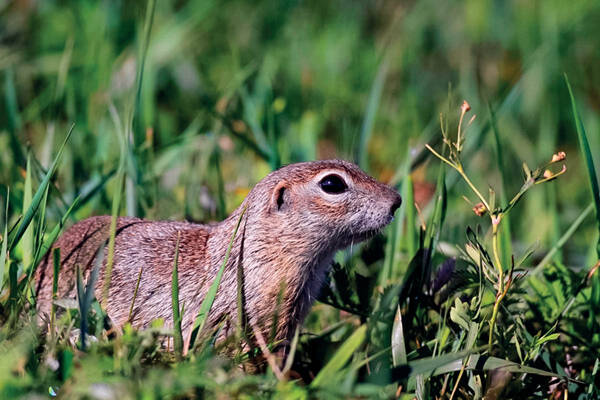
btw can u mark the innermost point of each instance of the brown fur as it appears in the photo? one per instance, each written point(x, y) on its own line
point(284, 248)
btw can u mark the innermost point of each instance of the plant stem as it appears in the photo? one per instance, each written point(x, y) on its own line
point(461, 171)
point(501, 291)
point(497, 258)
point(499, 298)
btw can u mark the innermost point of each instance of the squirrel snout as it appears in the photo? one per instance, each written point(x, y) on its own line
point(396, 204)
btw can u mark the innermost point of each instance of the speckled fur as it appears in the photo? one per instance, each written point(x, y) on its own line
point(284, 250)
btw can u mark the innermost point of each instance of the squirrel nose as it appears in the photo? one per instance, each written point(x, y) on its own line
point(396, 204)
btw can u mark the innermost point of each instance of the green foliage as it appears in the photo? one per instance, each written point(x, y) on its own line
point(589, 160)
point(175, 109)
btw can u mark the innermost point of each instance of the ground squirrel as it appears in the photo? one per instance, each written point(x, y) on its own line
point(295, 219)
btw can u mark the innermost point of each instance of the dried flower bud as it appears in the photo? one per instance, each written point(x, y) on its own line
point(558, 156)
point(479, 209)
point(465, 106)
point(548, 174)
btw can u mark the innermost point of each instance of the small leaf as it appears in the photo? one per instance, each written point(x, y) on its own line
point(547, 338)
point(459, 315)
point(398, 343)
point(527, 172)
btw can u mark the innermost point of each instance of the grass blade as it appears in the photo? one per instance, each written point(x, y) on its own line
point(411, 236)
point(54, 235)
point(116, 203)
point(251, 116)
point(584, 146)
point(329, 372)
point(398, 342)
point(212, 290)
point(135, 292)
point(27, 243)
point(4, 249)
point(85, 296)
point(393, 265)
point(474, 362)
point(43, 249)
point(370, 113)
point(563, 239)
point(433, 230)
point(13, 118)
point(39, 194)
point(505, 232)
point(13, 293)
point(177, 335)
point(135, 115)
point(55, 272)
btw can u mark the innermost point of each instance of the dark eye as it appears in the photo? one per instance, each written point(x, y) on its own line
point(333, 184)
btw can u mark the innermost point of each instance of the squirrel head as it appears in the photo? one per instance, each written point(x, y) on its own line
point(330, 201)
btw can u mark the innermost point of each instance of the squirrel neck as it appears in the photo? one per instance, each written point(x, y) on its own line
point(279, 281)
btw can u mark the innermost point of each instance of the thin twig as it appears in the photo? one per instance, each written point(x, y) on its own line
point(267, 353)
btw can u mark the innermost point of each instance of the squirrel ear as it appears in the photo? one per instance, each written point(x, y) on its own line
point(281, 198)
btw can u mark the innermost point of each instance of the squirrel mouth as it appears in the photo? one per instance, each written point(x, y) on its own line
point(368, 234)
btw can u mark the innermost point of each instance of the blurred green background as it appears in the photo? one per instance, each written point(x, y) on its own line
point(233, 89)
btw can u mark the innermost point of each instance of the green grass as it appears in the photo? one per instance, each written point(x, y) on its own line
point(175, 109)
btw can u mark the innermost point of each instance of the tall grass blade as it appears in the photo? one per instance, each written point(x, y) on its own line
point(13, 293)
point(55, 273)
point(329, 373)
point(148, 22)
point(13, 118)
point(135, 292)
point(39, 235)
point(584, 146)
point(80, 303)
point(177, 335)
point(4, 248)
point(221, 208)
point(393, 250)
point(439, 212)
point(212, 290)
point(27, 243)
point(563, 239)
point(453, 362)
point(289, 361)
point(410, 235)
point(505, 232)
point(251, 116)
point(116, 204)
point(52, 236)
point(85, 296)
point(366, 130)
point(39, 194)
point(92, 188)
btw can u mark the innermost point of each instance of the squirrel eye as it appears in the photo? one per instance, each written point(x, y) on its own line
point(333, 184)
